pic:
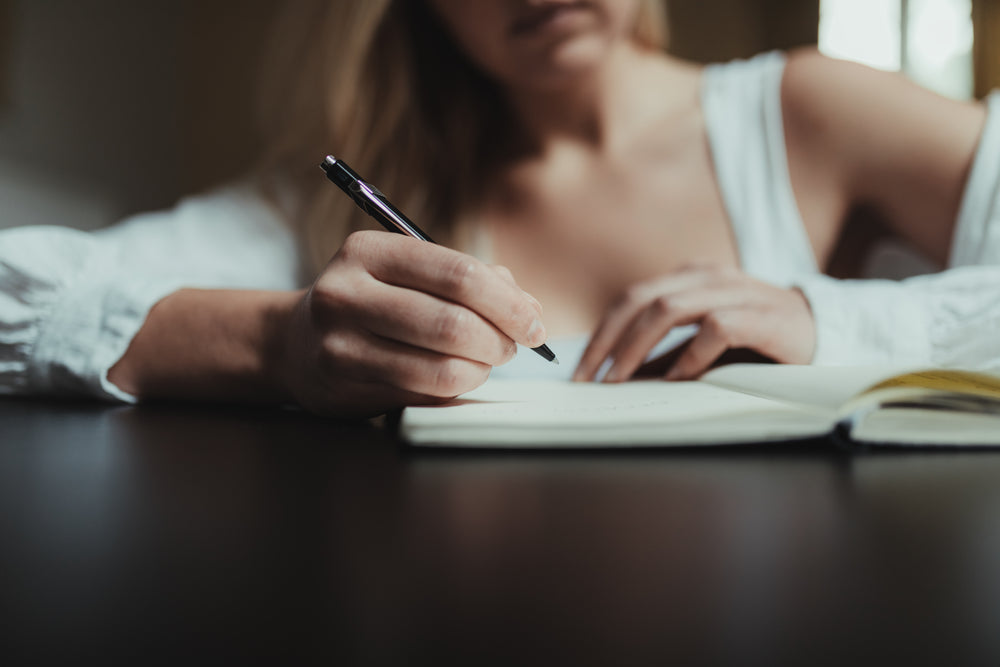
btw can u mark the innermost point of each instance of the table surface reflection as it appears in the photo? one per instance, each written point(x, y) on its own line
point(170, 533)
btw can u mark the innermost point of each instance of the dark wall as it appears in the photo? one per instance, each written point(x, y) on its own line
point(219, 69)
point(119, 106)
point(4, 48)
point(718, 30)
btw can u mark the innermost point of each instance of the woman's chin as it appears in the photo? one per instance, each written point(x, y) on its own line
point(564, 65)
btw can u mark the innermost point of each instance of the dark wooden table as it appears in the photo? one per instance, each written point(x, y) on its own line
point(172, 534)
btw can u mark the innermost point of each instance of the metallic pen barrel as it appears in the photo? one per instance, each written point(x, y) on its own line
point(370, 199)
point(377, 205)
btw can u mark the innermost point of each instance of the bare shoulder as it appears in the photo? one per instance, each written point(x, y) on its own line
point(888, 141)
point(837, 100)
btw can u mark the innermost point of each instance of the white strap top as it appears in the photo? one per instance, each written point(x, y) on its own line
point(741, 101)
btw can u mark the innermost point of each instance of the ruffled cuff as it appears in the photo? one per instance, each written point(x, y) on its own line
point(868, 322)
point(64, 319)
point(964, 311)
point(86, 334)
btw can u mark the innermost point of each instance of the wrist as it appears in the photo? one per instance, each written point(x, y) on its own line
point(210, 345)
point(277, 345)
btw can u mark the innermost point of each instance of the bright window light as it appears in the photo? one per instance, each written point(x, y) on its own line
point(936, 51)
point(939, 45)
point(865, 31)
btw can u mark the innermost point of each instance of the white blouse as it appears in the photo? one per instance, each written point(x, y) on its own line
point(71, 301)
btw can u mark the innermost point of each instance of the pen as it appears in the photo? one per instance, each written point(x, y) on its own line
point(378, 206)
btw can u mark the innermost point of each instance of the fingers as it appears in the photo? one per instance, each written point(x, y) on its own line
point(720, 331)
point(431, 323)
point(505, 273)
point(394, 321)
point(659, 318)
point(621, 317)
point(780, 328)
point(373, 360)
point(450, 275)
point(730, 309)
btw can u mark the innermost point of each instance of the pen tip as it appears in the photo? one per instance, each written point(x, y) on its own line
point(547, 354)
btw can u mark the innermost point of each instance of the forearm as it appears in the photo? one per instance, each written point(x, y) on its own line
point(218, 345)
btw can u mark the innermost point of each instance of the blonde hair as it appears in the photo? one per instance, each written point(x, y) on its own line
point(381, 84)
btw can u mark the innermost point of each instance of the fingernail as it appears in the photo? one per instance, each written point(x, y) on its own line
point(536, 333)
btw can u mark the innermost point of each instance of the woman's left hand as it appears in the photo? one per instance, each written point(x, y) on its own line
point(731, 309)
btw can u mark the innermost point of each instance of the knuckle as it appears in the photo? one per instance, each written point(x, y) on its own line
point(450, 378)
point(460, 275)
point(720, 326)
point(633, 296)
point(355, 244)
point(451, 325)
point(333, 355)
point(504, 272)
point(663, 306)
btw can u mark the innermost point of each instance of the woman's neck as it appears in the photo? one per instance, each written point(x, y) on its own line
point(604, 108)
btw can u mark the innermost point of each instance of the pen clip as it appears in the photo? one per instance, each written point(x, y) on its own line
point(358, 195)
point(377, 205)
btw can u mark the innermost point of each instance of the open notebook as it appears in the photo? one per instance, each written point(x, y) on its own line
point(743, 403)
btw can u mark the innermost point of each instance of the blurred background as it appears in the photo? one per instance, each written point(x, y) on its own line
point(109, 107)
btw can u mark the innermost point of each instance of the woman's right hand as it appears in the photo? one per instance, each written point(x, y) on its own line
point(394, 321)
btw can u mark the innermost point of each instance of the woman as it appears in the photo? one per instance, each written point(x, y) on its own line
point(630, 192)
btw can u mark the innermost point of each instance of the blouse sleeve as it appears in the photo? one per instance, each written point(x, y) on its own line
point(944, 319)
point(71, 301)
